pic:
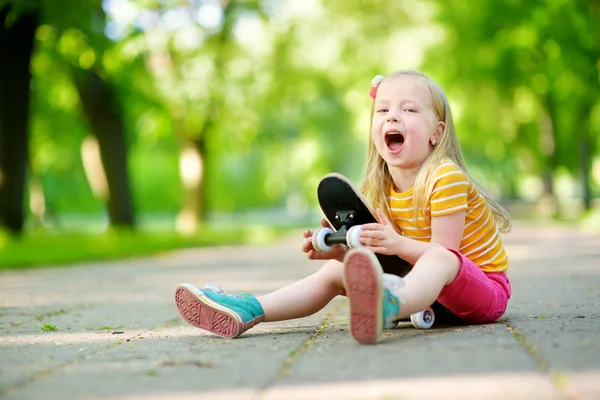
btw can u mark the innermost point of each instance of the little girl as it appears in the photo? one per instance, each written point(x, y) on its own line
point(431, 213)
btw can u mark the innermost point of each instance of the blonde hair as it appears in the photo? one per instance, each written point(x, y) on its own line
point(377, 180)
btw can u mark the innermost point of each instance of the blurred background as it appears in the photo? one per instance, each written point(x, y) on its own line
point(134, 126)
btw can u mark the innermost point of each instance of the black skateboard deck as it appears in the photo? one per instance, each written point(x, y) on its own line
point(344, 207)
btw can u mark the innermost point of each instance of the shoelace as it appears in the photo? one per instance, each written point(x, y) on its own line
point(215, 289)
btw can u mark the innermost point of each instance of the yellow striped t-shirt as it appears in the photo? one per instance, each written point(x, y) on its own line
point(451, 190)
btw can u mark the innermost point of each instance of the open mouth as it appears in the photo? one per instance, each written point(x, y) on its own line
point(394, 140)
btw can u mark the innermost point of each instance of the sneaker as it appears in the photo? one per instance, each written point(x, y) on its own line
point(372, 304)
point(391, 284)
point(225, 315)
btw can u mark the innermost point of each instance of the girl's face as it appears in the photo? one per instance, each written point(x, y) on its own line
point(404, 126)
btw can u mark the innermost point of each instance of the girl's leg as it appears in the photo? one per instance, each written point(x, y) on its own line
point(374, 299)
point(230, 316)
point(476, 296)
point(306, 296)
point(422, 285)
point(457, 283)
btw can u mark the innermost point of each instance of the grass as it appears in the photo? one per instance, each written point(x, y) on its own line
point(48, 327)
point(44, 249)
point(107, 328)
point(41, 317)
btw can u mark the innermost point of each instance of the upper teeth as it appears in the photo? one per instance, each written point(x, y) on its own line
point(393, 133)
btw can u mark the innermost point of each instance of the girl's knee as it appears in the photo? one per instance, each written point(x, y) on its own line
point(332, 272)
point(332, 268)
point(443, 259)
point(441, 253)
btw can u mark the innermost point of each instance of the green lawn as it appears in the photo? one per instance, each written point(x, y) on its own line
point(43, 248)
point(39, 249)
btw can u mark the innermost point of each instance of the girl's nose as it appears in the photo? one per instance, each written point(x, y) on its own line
point(393, 117)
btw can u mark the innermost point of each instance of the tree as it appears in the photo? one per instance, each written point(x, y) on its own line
point(100, 104)
point(535, 65)
point(85, 22)
point(101, 107)
point(16, 46)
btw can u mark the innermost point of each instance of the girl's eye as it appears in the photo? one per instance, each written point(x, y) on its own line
point(411, 110)
point(382, 110)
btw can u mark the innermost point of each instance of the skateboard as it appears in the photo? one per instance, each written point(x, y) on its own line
point(346, 209)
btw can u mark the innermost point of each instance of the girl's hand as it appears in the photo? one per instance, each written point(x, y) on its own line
point(381, 238)
point(337, 253)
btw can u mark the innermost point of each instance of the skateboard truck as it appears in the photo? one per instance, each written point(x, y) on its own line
point(348, 234)
point(345, 219)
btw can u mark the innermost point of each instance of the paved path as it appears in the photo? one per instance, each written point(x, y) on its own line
point(119, 336)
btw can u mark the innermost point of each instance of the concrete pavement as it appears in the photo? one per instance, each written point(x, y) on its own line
point(110, 331)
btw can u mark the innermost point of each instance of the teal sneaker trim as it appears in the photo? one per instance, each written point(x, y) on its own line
point(245, 305)
point(391, 283)
point(224, 315)
point(391, 309)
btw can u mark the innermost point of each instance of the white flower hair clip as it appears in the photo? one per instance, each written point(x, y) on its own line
point(374, 85)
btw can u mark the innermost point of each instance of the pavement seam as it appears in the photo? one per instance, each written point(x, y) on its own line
point(557, 379)
point(295, 354)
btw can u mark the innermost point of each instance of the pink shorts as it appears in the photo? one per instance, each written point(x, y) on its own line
point(476, 296)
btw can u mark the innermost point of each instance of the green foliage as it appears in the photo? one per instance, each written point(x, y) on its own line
point(278, 97)
point(525, 64)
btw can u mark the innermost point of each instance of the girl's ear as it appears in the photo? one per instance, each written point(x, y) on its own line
point(438, 133)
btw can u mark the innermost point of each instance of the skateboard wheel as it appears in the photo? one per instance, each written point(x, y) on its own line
point(423, 319)
point(353, 237)
point(318, 240)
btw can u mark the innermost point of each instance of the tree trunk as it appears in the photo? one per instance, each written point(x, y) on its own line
point(99, 107)
point(549, 202)
point(16, 47)
point(191, 170)
point(586, 155)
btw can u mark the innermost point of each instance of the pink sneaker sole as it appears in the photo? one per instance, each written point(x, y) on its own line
point(363, 279)
point(197, 309)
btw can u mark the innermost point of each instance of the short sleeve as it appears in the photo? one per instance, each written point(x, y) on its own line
point(449, 191)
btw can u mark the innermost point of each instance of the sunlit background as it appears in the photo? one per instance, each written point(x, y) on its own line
point(177, 115)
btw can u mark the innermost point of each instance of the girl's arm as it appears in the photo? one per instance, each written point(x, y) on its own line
point(381, 238)
point(446, 230)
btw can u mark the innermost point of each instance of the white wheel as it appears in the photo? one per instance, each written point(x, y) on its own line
point(423, 319)
point(353, 237)
point(318, 240)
